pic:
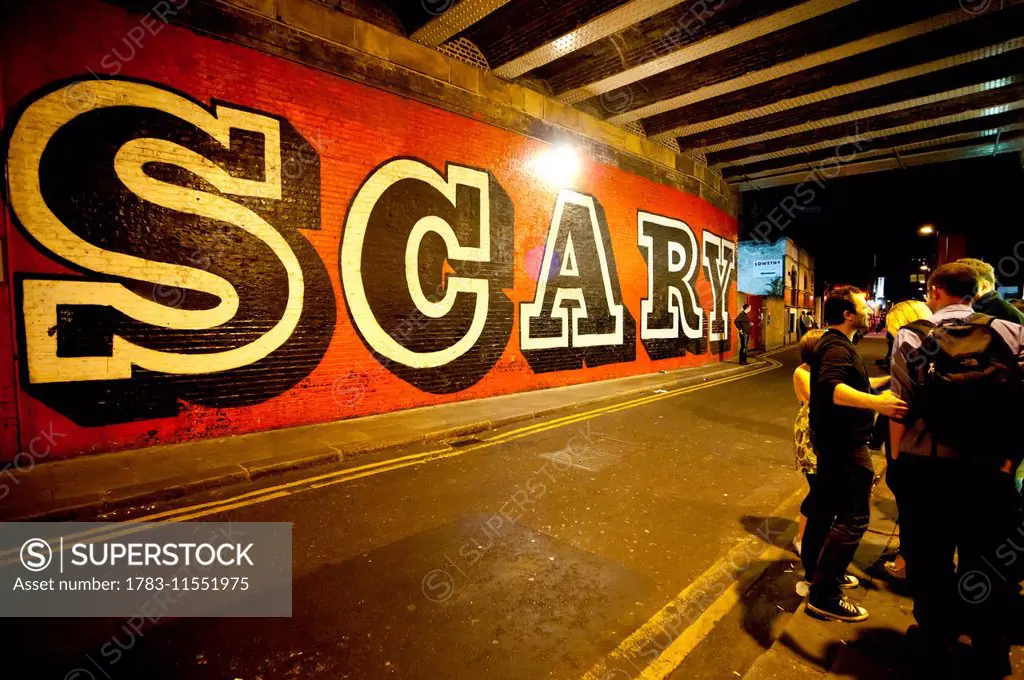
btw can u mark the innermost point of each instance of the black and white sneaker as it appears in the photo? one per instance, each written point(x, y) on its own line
point(803, 588)
point(838, 610)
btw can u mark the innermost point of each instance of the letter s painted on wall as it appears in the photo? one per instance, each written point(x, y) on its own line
point(184, 231)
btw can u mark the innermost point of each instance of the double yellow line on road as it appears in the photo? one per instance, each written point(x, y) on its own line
point(251, 498)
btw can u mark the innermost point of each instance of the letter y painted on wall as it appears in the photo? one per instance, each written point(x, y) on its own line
point(719, 261)
point(184, 231)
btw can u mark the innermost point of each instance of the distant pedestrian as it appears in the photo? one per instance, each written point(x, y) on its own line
point(962, 375)
point(843, 402)
point(988, 300)
point(805, 322)
point(806, 459)
point(744, 326)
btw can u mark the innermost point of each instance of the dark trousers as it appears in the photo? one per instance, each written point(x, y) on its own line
point(835, 526)
point(964, 507)
point(744, 341)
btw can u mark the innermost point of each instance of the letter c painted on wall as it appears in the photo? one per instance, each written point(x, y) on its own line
point(424, 259)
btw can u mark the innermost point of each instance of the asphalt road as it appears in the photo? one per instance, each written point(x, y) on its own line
point(531, 558)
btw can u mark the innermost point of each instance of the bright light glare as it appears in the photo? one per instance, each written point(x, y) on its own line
point(926, 230)
point(558, 166)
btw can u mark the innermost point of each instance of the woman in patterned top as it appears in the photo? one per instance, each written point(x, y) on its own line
point(806, 460)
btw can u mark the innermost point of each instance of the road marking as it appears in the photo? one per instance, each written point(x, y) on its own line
point(666, 618)
point(339, 476)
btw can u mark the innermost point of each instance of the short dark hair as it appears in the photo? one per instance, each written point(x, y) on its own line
point(838, 302)
point(809, 343)
point(983, 270)
point(956, 279)
point(746, 306)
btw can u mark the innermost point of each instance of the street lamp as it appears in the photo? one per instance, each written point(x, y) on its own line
point(930, 230)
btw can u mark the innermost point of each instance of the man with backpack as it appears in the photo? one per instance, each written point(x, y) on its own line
point(962, 376)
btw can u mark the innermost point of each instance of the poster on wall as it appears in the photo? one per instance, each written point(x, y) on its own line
point(761, 267)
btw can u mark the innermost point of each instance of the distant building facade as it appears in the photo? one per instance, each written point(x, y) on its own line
point(777, 279)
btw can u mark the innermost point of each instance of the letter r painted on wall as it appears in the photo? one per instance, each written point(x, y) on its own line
point(671, 318)
point(181, 236)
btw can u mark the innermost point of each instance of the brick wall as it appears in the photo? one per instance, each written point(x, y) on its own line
point(212, 240)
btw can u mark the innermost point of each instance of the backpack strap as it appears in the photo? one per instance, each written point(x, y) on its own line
point(921, 328)
point(979, 319)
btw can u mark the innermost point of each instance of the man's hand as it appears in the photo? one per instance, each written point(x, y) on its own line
point(890, 405)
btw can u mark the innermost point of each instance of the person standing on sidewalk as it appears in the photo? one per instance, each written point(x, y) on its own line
point(843, 403)
point(744, 326)
point(962, 375)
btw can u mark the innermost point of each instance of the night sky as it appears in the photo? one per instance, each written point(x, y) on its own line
point(850, 221)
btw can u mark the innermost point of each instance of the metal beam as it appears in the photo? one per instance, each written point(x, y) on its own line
point(874, 134)
point(855, 116)
point(455, 20)
point(603, 26)
point(708, 46)
point(843, 90)
point(879, 165)
point(788, 68)
point(898, 151)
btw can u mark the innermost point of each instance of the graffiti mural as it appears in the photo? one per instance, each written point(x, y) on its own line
point(218, 241)
point(185, 233)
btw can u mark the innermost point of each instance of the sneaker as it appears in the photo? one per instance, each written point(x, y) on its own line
point(803, 588)
point(839, 610)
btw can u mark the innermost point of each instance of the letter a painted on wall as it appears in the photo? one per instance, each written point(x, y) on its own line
point(184, 233)
point(577, 316)
point(720, 269)
point(671, 318)
point(423, 263)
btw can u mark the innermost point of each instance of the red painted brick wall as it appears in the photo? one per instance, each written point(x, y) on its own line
point(330, 372)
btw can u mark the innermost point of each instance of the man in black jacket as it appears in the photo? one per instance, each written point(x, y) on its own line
point(744, 325)
point(988, 300)
point(843, 405)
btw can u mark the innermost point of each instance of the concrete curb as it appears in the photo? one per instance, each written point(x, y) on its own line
point(201, 480)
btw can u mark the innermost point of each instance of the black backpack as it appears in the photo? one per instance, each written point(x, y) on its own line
point(970, 386)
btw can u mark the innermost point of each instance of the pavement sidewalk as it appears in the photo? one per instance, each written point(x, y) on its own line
point(90, 484)
point(809, 648)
